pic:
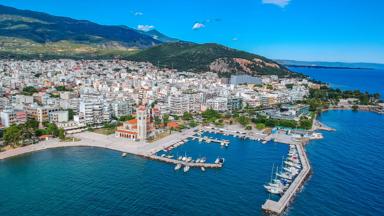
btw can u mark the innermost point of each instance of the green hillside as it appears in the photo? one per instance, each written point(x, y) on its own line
point(209, 57)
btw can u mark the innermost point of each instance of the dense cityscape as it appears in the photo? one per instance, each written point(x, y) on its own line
point(265, 107)
point(80, 95)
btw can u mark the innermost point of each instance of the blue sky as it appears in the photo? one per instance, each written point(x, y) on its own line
point(324, 30)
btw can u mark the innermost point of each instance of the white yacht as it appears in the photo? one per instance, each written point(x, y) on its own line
point(186, 168)
point(217, 160)
point(284, 175)
point(178, 166)
point(274, 190)
point(296, 165)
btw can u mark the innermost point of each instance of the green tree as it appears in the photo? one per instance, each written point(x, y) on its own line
point(260, 126)
point(52, 129)
point(126, 118)
point(165, 119)
point(32, 123)
point(243, 120)
point(12, 135)
point(210, 115)
point(187, 116)
point(29, 90)
point(61, 134)
point(192, 124)
point(71, 113)
point(305, 124)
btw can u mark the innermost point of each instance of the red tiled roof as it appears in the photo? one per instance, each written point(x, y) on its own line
point(132, 121)
point(172, 125)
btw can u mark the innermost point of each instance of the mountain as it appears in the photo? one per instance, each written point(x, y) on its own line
point(159, 36)
point(42, 28)
point(186, 56)
point(27, 34)
point(321, 64)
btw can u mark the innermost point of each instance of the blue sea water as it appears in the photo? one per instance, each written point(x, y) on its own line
point(370, 80)
point(348, 167)
point(347, 179)
point(91, 181)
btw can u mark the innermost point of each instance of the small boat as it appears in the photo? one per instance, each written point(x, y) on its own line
point(184, 158)
point(221, 160)
point(124, 154)
point(180, 158)
point(273, 190)
point(217, 160)
point(163, 155)
point(202, 169)
point(178, 166)
point(292, 170)
point(202, 160)
point(285, 175)
point(296, 165)
point(198, 160)
point(186, 168)
point(189, 159)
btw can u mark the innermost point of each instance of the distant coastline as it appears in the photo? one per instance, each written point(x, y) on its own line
point(327, 67)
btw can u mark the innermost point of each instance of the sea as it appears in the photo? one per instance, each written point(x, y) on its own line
point(347, 177)
point(370, 80)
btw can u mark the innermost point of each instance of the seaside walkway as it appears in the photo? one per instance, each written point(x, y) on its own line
point(273, 207)
point(90, 139)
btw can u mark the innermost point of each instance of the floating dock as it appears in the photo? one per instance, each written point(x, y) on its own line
point(184, 163)
point(237, 134)
point(211, 140)
point(277, 208)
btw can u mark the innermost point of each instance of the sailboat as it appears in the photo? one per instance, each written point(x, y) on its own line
point(272, 187)
point(178, 166)
point(186, 168)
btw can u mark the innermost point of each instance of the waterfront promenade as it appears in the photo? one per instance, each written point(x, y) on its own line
point(90, 139)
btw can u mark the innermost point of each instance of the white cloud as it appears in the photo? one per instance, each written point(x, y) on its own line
point(235, 39)
point(145, 27)
point(280, 3)
point(198, 26)
point(138, 13)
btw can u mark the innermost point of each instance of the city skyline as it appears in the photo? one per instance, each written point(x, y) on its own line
point(278, 29)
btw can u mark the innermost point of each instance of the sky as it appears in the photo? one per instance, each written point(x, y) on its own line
point(309, 30)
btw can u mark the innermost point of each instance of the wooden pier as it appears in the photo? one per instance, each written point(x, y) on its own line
point(184, 163)
point(277, 208)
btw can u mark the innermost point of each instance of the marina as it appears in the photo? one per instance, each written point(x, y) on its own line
point(277, 207)
point(299, 166)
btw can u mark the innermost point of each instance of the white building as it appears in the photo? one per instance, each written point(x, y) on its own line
point(189, 102)
point(91, 111)
point(218, 104)
point(122, 108)
point(58, 116)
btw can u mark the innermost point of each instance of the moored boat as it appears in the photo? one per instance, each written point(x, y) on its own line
point(186, 168)
point(178, 166)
